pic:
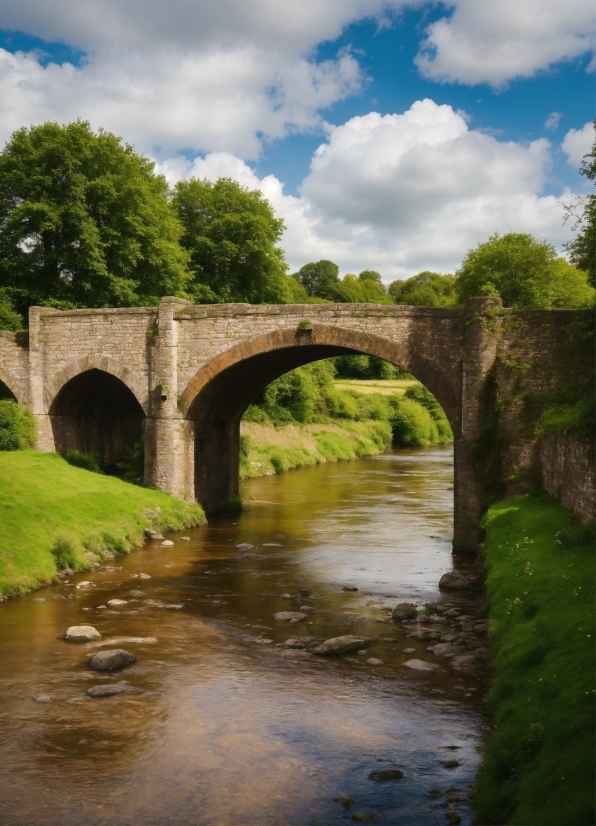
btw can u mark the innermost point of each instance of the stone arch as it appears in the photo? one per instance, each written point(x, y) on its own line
point(322, 338)
point(7, 378)
point(90, 362)
point(95, 411)
point(219, 393)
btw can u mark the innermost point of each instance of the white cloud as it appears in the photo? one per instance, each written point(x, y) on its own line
point(553, 120)
point(404, 193)
point(577, 143)
point(213, 75)
point(495, 42)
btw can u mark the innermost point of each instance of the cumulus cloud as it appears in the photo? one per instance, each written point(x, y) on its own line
point(405, 192)
point(577, 143)
point(214, 75)
point(493, 43)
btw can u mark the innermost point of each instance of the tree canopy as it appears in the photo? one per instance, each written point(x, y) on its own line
point(427, 289)
point(524, 272)
point(582, 249)
point(231, 235)
point(84, 222)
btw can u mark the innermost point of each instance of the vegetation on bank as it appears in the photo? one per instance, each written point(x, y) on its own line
point(538, 765)
point(304, 418)
point(56, 516)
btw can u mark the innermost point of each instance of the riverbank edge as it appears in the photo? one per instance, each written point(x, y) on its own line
point(266, 449)
point(55, 516)
point(538, 761)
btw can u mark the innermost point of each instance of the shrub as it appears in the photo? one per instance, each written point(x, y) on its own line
point(18, 428)
point(413, 425)
point(87, 461)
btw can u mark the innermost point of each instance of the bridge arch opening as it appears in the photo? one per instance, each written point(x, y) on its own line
point(95, 412)
point(218, 395)
point(6, 393)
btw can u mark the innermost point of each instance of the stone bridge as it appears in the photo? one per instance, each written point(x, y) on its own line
point(95, 379)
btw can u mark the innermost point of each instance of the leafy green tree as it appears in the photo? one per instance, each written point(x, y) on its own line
point(362, 290)
point(582, 249)
point(18, 428)
point(9, 319)
point(85, 222)
point(524, 273)
point(427, 289)
point(231, 234)
point(320, 279)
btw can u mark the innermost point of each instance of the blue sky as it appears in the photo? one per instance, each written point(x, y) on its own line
point(387, 134)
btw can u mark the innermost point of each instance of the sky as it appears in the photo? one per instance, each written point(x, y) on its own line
point(389, 135)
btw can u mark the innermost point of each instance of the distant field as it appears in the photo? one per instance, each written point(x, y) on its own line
point(383, 386)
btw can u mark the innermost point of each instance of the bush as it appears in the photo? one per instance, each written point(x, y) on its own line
point(18, 428)
point(87, 461)
point(413, 425)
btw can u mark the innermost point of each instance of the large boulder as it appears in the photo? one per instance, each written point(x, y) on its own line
point(405, 610)
point(336, 646)
point(456, 581)
point(82, 633)
point(111, 660)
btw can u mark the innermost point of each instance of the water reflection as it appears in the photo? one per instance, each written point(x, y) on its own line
point(224, 726)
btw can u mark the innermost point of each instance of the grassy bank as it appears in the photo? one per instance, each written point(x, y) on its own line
point(539, 762)
point(54, 515)
point(266, 448)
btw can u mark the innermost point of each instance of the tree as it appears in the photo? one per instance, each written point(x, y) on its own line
point(84, 222)
point(427, 289)
point(366, 289)
point(231, 234)
point(582, 249)
point(524, 273)
point(320, 279)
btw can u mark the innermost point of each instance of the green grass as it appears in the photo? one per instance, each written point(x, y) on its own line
point(55, 515)
point(538, 767)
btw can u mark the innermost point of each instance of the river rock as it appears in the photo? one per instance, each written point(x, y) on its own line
point(143, 576)
point(184, 538)
point(110, 690)
point(349, 588)
point(466, 663)
point(111, 660)
point(336, 646)
point(450, 764)
point(455, 581)
point(82, 633)
point(293, 643)
point(442, 649)
point(154, 603)
point(42, 698)
point(294, 654)
point(289, 616)
point(405, 610)
point(420, 665)
point(245, 546)
point(115, 603)
point(167, 543)
point(382, 775)
point(424, 634)
point(374, 661)
point(409, 650)
point(153, 534)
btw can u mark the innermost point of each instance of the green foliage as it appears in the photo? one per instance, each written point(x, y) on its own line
point(231, 235)
point(577, 417)
point(524, 273)
point(9, 319)
point(413, 425)
point(18, 428)
point(538, 765)
point(366, 289)
point(366, 367)
point(427, 289)
point(320, 279)
point(305, 324)
point(53, 512)
point(582, 249)
point(87, 461)
point(85, 222)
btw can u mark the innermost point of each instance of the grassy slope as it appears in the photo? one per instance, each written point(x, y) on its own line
point(49, 509)
point(539, 762)
point(270, 449)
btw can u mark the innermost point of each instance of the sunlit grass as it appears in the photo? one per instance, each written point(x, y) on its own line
point(54, 514)
point(539, 762)
point(384, 386)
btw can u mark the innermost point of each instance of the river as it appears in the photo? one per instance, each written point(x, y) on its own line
point(225, 727)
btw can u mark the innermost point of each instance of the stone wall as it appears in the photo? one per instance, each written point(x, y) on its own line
point(567, 471)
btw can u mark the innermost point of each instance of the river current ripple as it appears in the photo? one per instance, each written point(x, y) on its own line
point(224, 726)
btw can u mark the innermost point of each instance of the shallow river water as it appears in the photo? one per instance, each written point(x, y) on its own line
point(226, 727)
